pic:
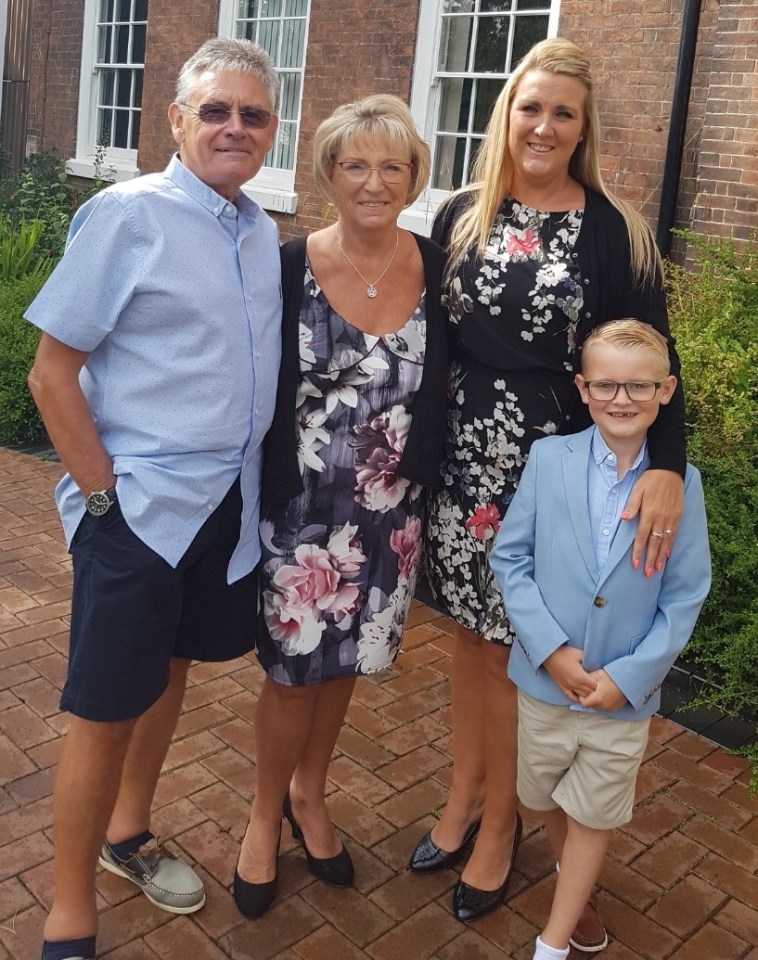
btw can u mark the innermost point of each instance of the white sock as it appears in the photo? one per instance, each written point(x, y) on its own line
point(543, 952)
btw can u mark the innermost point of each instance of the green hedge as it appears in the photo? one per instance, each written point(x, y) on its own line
point(19, 420)
point(714, 317)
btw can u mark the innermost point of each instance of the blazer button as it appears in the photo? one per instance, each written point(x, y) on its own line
point(599, 601)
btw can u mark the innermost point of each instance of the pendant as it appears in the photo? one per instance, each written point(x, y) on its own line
point(371, 292)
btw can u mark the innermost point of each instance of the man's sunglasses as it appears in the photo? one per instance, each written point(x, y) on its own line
point(217, 114)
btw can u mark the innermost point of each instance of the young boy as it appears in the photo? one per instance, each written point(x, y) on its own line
point(595, 636)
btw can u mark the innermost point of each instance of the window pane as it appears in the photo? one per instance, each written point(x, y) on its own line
point(124, 88)
point(138, 44)
point(296, 8)
point(487, 92)
point(449, 163)
point(138, 77)
point(246, 31)
point(290, 96)
point(527, 32)
point(135, 130)
point(246, 8)
point(270, 8)
point(121, 134)
point(268, 37)
point(498, 6)
point(285, 148)
point(534, 5)
point(492, 45)
point(292, 43)
point(455, 44)
point(106, 10)
point(104, 45)
point(458, 6)
point(124, 10)
point(121, 45)
point(107, 84)
point(140, 9)
point(455, 105)
point(104, 128)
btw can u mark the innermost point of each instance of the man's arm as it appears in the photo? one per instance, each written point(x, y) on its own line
point(54, 384)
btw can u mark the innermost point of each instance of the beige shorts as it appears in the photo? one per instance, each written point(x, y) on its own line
point(583, 762)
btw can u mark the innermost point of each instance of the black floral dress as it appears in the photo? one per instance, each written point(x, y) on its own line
point(339, 562)
point(513, 329)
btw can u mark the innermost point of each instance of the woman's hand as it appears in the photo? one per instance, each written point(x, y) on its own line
point(658, 498)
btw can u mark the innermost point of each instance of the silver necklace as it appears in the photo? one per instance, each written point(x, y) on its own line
point(371, 290)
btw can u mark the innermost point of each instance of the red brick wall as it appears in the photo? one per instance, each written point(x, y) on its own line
point(54, 75)
point(359, 47)
point(174, 32)
point(355, 48)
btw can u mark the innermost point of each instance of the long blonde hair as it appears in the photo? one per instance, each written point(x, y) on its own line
point(493, 172)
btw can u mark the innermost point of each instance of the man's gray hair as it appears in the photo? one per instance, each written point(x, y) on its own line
point(229, 55)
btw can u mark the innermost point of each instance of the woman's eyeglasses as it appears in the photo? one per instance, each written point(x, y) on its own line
point(217, 114)
point(394, 171)
point(635, 389)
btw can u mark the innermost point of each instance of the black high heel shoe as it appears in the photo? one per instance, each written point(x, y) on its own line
point(254, 899)
point(428, 857)
point(337, 871)
point(470, 902)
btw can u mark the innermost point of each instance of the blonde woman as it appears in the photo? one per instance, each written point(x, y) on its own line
point(539, 252)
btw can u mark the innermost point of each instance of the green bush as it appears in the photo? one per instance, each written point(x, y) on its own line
point(19, 420)
point(714, 317)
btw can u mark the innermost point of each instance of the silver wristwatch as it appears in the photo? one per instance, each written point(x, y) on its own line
point(99, 502)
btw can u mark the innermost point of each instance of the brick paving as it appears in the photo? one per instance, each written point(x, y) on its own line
point(681, 881)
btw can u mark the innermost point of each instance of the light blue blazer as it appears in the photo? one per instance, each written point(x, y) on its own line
point(544, 561)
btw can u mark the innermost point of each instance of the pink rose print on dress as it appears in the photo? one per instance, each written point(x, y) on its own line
point(380, 446)
point(407, 545)
point(522, 243)
point(314, 587)
point(484, 522)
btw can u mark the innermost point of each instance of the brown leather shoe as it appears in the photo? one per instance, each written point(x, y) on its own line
point(590, 936)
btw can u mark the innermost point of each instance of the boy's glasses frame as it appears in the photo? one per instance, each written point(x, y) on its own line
point(217, 114)
point(641, 390)
point(394, 171)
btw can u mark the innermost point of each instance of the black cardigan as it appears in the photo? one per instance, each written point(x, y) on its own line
point(422, 458)
point(611, 292)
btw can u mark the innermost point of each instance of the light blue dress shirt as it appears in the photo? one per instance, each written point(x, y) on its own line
point(606, 494)
point(175, 293)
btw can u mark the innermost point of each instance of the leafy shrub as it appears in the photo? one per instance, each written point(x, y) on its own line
point(714, 317)
point(19, 253)
point(19, 420)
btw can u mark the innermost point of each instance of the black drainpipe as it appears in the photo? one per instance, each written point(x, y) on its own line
point(675, 148)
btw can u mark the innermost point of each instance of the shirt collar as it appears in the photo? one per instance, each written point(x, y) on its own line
point(205, 195)
point(602, 453)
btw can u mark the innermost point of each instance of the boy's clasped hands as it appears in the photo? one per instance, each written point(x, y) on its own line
point(593, 690)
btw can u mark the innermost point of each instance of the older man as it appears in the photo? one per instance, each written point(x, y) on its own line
point(156, 378)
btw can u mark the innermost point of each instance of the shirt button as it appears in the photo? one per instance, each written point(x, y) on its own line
point(599, 601)
point(586, 282)
point(588, 314)
point(215, 210)
point(606, 531)
point(210, 508)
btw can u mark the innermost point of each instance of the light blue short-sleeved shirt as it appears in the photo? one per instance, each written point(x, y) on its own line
point(175, 293)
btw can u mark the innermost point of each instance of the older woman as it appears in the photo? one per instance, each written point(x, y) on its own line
point(539, 253)
point(358, 432)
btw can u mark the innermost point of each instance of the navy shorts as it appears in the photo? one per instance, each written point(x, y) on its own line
point(132, 612)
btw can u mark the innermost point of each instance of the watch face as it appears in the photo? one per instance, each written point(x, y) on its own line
point(98, 503)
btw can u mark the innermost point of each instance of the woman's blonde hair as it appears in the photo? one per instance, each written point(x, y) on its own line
point(493, 172)
point(382, 115)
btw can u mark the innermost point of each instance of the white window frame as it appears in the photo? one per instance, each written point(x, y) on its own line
point(272, 188)
point(119, 164)
point(425, 102)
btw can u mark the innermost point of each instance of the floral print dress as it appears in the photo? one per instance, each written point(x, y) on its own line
point(339, 562)
point(513, 330)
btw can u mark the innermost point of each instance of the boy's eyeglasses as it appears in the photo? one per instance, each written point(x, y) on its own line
point(393, 171)
point(635, 389)
point(217, 113)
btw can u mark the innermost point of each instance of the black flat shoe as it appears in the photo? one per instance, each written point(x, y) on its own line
point(337, 871)
point(428, 857)
point(253, 899)
point(470, 902)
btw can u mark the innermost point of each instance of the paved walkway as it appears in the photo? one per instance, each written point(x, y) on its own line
point(681, 882)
